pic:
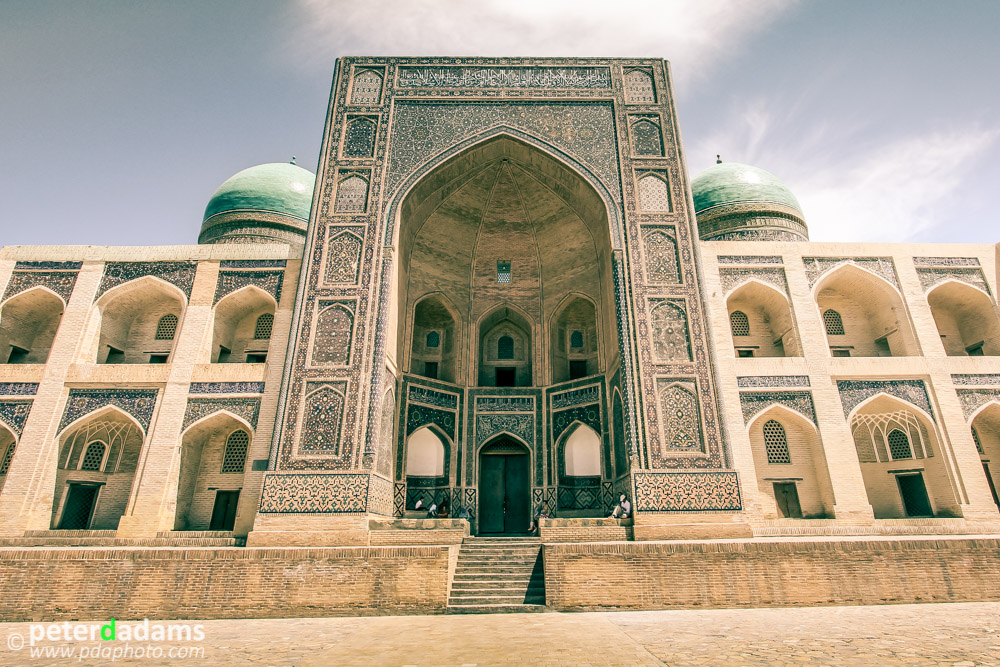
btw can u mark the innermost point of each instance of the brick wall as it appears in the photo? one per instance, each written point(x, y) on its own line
point(657, 576)
point(50, 585)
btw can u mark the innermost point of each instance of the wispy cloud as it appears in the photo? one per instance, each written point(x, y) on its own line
point(693, 35)
point(854, 182)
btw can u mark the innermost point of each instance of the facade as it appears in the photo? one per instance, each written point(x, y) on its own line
point(502, 291)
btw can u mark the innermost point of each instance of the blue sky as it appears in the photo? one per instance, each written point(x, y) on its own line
point(118, 119)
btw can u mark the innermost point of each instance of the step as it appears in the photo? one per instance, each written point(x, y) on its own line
point(475, 560)
point(497, 596)
point(487, 583)
point(495, 608)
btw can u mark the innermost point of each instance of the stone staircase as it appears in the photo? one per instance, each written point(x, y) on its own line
point(498, 574)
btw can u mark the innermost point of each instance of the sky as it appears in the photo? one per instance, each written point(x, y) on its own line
point(119, 119)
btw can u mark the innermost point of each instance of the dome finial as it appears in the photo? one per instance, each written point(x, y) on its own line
point(718, 159)
point(293, 160)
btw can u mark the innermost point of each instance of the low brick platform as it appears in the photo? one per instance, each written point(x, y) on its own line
point(585, 530)
point(88, 584)
point(757, 573)
point(417, 531)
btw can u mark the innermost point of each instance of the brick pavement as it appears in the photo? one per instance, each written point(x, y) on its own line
point(963, 634)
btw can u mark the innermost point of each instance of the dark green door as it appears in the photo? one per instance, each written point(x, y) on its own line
point(224, 512)
point(79, 507)
point(786, 495)
point(504, 488)
point(914, 494)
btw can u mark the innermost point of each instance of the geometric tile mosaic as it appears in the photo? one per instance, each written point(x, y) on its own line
point(335, 493)
point(853, 392)
point(136, 402)
point(687, 491)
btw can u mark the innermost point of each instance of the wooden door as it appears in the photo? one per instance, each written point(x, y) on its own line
point(492, 472)
point(914, 495)
point(79, 507)
point(517, 490)
point(224, 512)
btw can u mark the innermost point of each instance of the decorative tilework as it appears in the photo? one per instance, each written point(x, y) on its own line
point(226, 388)
point(654, 193)
point(505, 404)
point(733, 277)
point(231, 281)
point(668, 319)
point(661, 258)
point(180, 274)
point(198, 408)
point(60, 282)
point(48, 266)
point(352, 195)
point(931, 277)
point(750, 259)
point(646, 139)
point(585, 132)
point(324, 414)
point(367, 88)
point(18, 388)
point(883, 267)
point(359, 137)
point(773, 381)
point(343, 258)
point(398, 498)
point(975, 380)
point(334, 324)
point(523, 426)
point(13, 414)
point(946, 261)
point(417, 394)
point(779, 235)
point(418, 416)
point(314, 493)
point(138, 403)
point(854, 392)
point(754, 402)
point(681, 419)
point(253, 264)
point(687, 492)
point(385, 433)
point(639, 87)
point(585, 414)
point(582, 396)
point(504, 77)
point(973, 399)
point(380, 495)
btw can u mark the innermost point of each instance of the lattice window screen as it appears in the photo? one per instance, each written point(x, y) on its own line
point(166, 328)
point(236, 452)
point(94, 456)
point(740, 323)
point(833, 322)
point(775, 443)
point(262, 330)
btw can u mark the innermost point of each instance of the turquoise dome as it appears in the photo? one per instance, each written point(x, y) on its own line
point(739, 202)
point(732, 182)
point(267, 203)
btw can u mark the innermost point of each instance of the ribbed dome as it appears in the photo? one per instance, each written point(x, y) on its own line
point(266, 203)
point(740, 202)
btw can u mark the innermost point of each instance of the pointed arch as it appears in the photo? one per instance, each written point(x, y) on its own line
point(579, 450)
point(219, 415)
point(129, 315)
point(333, 338)
point(234, 325)
point(427, 450)
point(322, 418)
point(966, 318)
point(770, 324)
point(29, 321)
point(352, 194)
point(343, 258)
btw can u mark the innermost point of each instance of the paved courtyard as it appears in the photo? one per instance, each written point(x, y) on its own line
point(950, 634)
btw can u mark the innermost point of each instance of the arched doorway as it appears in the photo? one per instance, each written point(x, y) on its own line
point(504, 487)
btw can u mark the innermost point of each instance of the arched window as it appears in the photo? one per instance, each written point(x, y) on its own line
point(775, 443)
point(262, 330)
point(505, 348)
point(899, 445)
point(975, 438)
point(8, 455)
point(740, 323)
point(576, 339)
point(94, 456)
point(166, 327)
point(236, 451)
point(834, 324)
point(433, 339)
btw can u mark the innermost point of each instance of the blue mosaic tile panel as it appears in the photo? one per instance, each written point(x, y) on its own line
point(198, 408)
point(230, 281)
point(523, 426)
point(931, 277)
point(687, 492)
point(418, 416)
point(750, 259)
point(504, 77)
point(13, 414)
point(853, 392)
point(427, 396)
point(754, 402)
point(773, 381)
point(505, 404)
point(586, 414)
point(48, 266)
point(60, 282)
point(973, 399)
point(883, 267)
point(136, 402)
point(582, 396)
point(226, 388)
point(976, 380)
point(18, 388)
point(330, 493)
point(252, 264)
point(945, 261)
point(180, 274)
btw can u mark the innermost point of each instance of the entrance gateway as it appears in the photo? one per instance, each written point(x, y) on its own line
point(504, 483)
